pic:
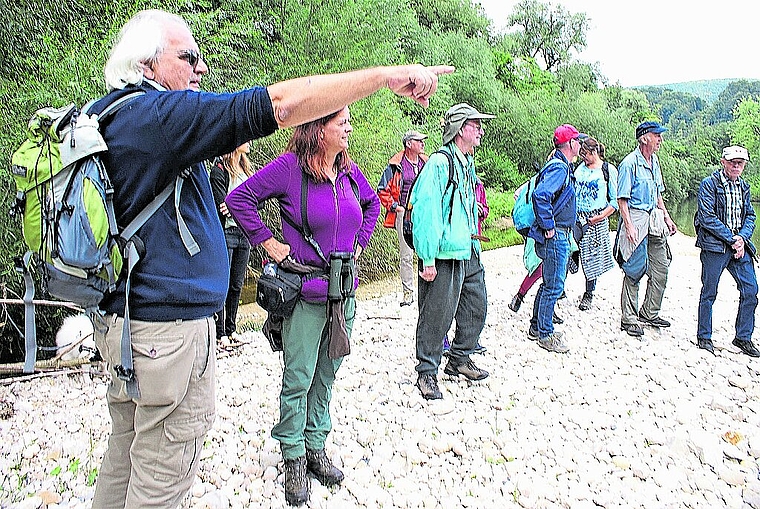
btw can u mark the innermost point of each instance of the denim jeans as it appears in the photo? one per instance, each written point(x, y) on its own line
point(238, 253)
point(554, 252)
point(743, 272)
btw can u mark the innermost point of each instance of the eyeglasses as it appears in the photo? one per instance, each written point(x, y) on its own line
point(477, 125)
point(191, 56)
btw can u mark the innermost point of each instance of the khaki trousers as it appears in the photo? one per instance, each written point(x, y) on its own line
point(406, 257)
point(658, 258)
point(156, 440)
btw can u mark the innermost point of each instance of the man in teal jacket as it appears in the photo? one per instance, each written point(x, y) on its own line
point(452, 283)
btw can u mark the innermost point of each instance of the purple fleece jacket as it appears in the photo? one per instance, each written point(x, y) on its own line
point(337, 220)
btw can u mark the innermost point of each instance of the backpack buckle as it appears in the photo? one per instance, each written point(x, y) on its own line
point(125, 374)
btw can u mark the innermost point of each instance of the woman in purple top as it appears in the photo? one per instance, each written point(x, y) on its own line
point(341, 210)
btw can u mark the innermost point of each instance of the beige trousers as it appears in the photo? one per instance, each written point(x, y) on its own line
point(406, 257)
point(156, 440)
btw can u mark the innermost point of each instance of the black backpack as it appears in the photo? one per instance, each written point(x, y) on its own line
point(408, 226)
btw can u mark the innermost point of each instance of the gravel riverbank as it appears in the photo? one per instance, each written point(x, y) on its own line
point(616, 422)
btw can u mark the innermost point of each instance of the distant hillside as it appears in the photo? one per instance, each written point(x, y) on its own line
point(707, 90)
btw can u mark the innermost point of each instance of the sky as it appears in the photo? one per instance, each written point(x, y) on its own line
point(646, 42)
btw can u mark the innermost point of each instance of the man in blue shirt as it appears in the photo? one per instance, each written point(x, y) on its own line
point(725, 222)
point(554, 204)
point(642, 241)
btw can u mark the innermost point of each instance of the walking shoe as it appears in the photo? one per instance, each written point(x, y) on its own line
point(480, 348)
point(320, 466)
point(747, 347)
point(633, 329)
point(408, 299)
point(553, 343)
point(428, 385)
point(446, 345)
point(516, 302)
point(706, 344)
point(556, 319)
point(466, 368)
point(655, 322)
point(297, 485)
point(533, 333)
point(585, 304)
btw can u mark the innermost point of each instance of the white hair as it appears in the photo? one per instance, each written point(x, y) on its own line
point(141, 40)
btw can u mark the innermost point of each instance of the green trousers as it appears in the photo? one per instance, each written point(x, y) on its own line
point(307, 379)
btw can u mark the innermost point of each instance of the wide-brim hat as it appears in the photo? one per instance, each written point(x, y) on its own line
point(455, 118)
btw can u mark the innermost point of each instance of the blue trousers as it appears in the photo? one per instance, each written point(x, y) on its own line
point(743, 272)
point(554, 252)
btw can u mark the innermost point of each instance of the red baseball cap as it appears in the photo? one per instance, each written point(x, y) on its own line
point(565, 133)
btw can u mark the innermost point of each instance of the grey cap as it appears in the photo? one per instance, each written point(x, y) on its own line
point(455, 118)
point(413, 135)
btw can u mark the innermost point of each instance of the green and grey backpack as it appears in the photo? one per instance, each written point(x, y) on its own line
point(64, 199)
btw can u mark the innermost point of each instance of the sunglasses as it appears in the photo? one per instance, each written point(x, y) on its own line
point(191, 56)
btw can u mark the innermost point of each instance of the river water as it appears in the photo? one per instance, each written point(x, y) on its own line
point(683, 214)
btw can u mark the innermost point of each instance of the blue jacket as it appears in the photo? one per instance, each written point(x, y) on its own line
point(710, 220)
point(554, 197)
point(151, 141)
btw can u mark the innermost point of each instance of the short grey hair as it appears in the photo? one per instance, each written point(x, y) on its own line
point(141, 40)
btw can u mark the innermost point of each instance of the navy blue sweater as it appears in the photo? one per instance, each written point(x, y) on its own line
point(151, 140)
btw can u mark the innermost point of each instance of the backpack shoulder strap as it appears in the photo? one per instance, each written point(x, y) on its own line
point(606, 173)
point(452, 181)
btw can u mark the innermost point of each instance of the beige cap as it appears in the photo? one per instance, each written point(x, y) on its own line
point(735, 152)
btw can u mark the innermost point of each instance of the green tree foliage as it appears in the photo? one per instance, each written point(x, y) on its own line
point(547, 32)
point(736, 91)
point(54, 54)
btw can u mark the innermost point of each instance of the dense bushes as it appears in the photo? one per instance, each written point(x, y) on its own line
point(54, 54)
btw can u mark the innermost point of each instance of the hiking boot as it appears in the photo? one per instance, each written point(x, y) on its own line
point(408, 299)
point(585, 304)
point(553, 343)
point(320, 466)
point(655, 322)
point(466, 368)
point(480, 349)
point(516, 303)
point(533, 333)
point(297, 485)
point(747, 347)
point(632, 329)
point(428, 385)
